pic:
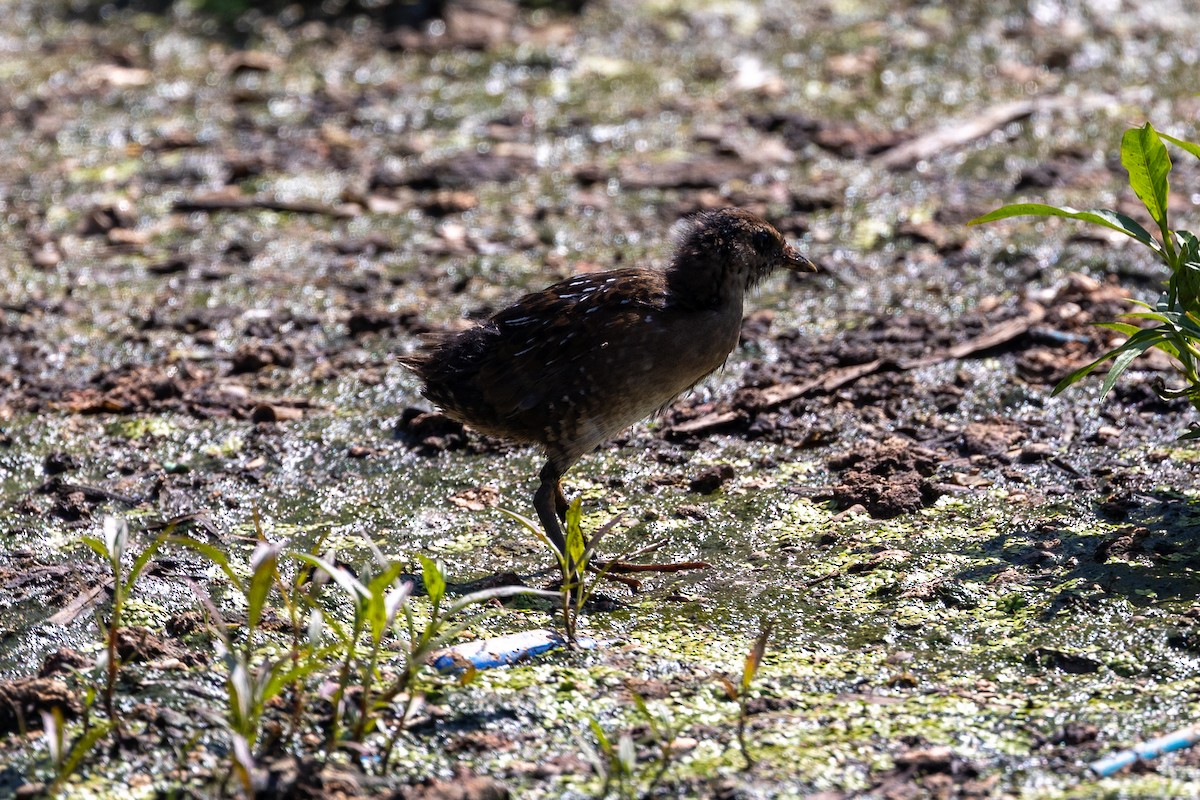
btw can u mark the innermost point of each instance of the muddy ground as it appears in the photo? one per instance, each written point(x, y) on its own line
point(216, 242)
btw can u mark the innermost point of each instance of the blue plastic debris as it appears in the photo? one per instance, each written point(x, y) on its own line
point(500, 650)
point(1177, 740)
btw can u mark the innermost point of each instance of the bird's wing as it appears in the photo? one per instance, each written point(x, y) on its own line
point(545, 343)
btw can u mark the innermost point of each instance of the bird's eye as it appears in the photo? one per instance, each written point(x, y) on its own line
point(763, 240)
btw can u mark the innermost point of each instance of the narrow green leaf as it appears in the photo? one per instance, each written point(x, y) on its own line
point(1186, 280)
point(521, 518)
point(263, 563)
point(281, 679)
point(600, 533)
point(1168, 346)
point(344, 579)
point(1190, 147)
point(396, 598)
point(213, 554)
point(1139, 342)
point(537, 531)
point(1081, 373)
point(496, 592)
point(84, 745)
point(1189, 325)
point(435, 579)
point(1118, 366)
point(377, 610)
point(1146, 159)
point(1120, 327)
point(96, 546)
point(639, 703)
point(216, 621)
point(601, 737)
point(626, 753)
point(143, 558)
point(446, 633)
point(1078, 375)
point(1113, 220)
point(576, 542)
point(1153, 316)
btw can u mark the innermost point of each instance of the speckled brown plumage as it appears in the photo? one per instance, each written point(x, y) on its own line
point(574, 364)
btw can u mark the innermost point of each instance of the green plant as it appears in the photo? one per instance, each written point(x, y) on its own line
point(617, 764)
point(253, 681)
point(66, 756)
point(378, 600)
point(1176, 313)
point(575, 589)
point(740, 692)
point(111, 549)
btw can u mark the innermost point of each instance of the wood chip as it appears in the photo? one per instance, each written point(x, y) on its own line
point(707, 422)
point(83, 601)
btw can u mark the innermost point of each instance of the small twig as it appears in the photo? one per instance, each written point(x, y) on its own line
point(241, 203)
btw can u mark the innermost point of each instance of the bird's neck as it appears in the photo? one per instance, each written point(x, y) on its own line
point(701, 282)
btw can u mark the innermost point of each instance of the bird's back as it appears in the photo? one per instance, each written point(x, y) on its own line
point(575, 363)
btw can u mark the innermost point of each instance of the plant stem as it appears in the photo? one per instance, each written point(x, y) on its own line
point(110, 678)
point(343, 681)
point(364, 700)
point(741, 732)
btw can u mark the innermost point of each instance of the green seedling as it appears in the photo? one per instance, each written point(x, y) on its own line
point(740, 692)
point(66, 756)
point(253, 681)
point(382, 608)
point(1176, 313)
point(265, 575)
point(438, 631)
point(112, 549)
point(575, 589)
point(617, 764)
point(377, 599)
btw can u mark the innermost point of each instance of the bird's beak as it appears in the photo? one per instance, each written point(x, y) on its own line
point(794, 261)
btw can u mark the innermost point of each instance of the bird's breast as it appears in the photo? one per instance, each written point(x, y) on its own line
point(666, 354)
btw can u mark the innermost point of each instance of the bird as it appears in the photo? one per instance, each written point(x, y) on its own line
point(574, 364)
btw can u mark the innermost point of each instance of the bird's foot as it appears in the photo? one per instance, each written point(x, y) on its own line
point(618, 569)
point(615, 567)
point(619, 566)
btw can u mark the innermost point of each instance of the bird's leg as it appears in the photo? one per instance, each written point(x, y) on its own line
point(560, 501)
point(551, 506)
point(549, 503)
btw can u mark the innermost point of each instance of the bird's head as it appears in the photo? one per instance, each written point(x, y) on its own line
point(720, 255)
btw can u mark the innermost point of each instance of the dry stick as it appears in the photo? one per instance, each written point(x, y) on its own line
point(222, 202)
point(834, 379)
point(624, 568)
point(958, 133)
point(955, 134)
point(998, 334)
